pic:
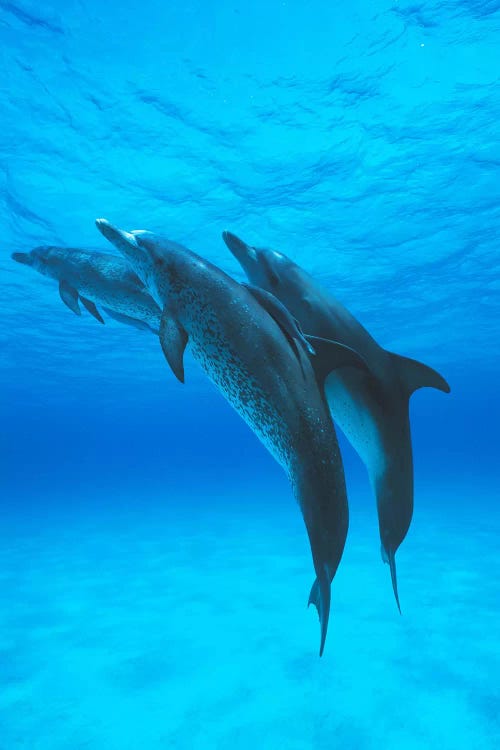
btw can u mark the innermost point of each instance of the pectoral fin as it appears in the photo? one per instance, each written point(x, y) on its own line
point(129, 321)
point(282, 317)
point(92, 309)
point(330, 355)
point(69, 296)
point(173, 340)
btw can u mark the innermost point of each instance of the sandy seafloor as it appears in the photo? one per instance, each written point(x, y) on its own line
point(187, 628)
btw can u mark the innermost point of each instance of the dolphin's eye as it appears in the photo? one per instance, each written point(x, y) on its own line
point(273, 279)
point(271, 275)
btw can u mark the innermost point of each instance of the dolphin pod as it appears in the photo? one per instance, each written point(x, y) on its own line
point(243, 344)
point(285, 354)
point(371, 407)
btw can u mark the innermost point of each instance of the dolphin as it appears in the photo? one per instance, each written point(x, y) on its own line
point(371, 408)
point(251, 349)
point(94, 278)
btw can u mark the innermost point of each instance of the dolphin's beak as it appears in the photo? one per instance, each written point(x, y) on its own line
point(241, 251)
point(125, 242)
point(128, 244)
point(23, 258)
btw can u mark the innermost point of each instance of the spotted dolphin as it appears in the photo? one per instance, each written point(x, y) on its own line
point(243, 345)
point(94, 278)
point(371, 408)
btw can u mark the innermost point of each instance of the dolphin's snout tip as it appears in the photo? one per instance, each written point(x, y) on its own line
point(239, 249)
point(113, 233)
point(20, 258)
point(125, 242)
point(104, 226)
point(231, 240)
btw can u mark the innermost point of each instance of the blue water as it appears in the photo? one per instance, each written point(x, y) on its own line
point(154, 568)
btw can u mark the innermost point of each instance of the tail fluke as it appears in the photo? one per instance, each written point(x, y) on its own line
point(314, 595)
point(320, 597)
point(416, 375)
point(390, 559)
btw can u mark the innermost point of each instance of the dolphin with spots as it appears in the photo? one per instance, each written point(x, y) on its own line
point(253, 351)
point(94, 278)
point(372, 406)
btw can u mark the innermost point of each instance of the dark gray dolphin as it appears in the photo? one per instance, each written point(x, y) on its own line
point(371, 408)
point(93, 279)
point(244, 347)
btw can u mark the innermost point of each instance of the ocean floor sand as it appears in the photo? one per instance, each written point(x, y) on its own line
point(187, 628)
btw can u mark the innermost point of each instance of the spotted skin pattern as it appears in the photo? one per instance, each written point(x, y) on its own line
point(248, 357)
point(105, 279)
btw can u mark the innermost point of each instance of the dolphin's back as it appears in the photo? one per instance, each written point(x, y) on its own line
point(371, 409)
point(247, 355)
point(271, 384)
point(87, 268)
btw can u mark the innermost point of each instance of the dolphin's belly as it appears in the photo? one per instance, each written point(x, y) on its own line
point(245, 392)
point(130, 302)
point(359, 416)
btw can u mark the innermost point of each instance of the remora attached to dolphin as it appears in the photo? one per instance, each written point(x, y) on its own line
point(94, 278)
point(372, 408)
point(244, 344)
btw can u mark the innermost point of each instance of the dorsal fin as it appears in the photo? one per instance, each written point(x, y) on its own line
point(415, 375)
point(281, 315)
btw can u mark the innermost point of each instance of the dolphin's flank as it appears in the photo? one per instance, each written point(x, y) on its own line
point(265, 374)
point(371, 407)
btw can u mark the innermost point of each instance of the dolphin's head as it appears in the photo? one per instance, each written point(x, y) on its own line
point(150, 256)
point(266, 268)
point(279, 275)
point(43, 259)
point(128, 246)
point(262, 266)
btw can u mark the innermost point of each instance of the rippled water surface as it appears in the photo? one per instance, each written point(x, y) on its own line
point(155, 568)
